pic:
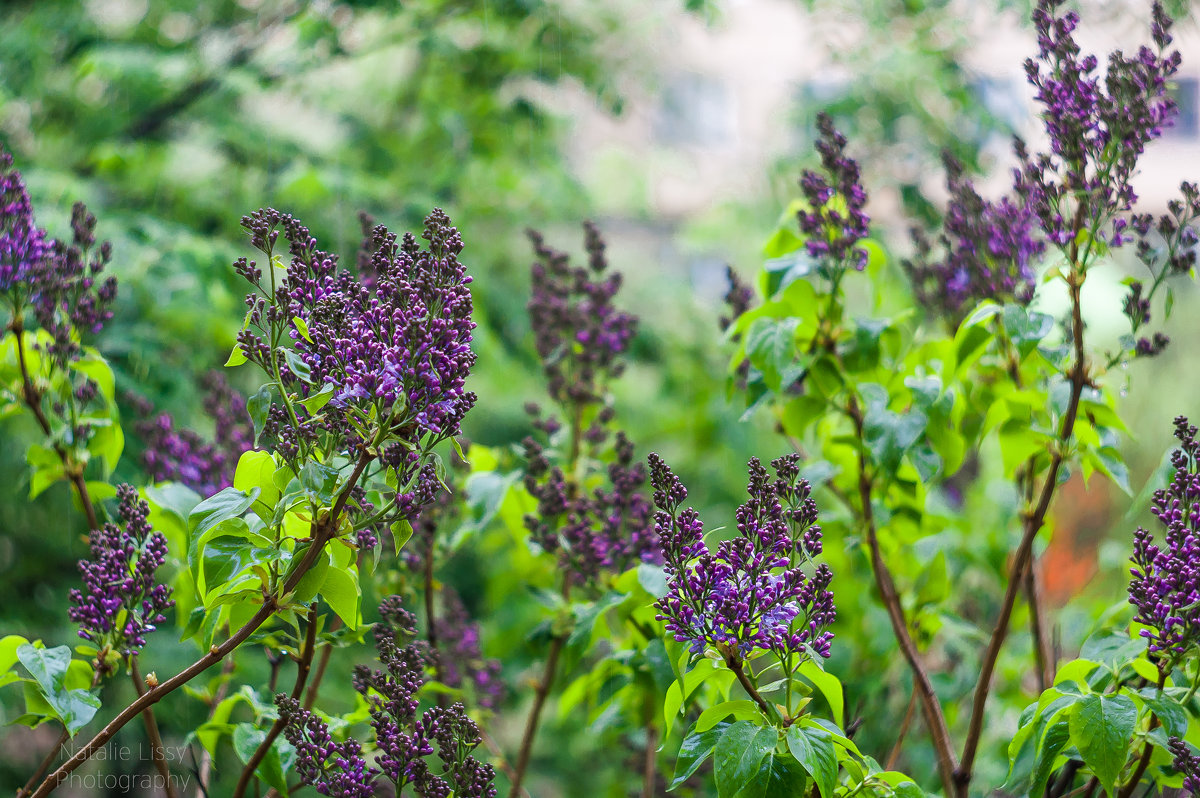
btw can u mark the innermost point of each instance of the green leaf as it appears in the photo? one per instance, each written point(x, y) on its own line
point(229, 503)
point(738, 754)
point(1172, 716)
point(1102, 728)
point(246, 740)
point(302, 327)
point(342, 593)
point(696, 748)
point(296, 365)
point(743, 709)
point(813, 748)
point(829, 686)
point(257, 407)
point(236, 357)
point(402, 531)
point(316, 401)
point(257, 470)
point(49, 668)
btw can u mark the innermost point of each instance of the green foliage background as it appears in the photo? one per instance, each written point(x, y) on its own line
point(174, 119)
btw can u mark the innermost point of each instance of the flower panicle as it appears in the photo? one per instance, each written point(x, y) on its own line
point(1165, 589)
point(121, 602)
point(750, 592)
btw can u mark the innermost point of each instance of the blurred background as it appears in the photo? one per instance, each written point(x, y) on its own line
point(679, 126)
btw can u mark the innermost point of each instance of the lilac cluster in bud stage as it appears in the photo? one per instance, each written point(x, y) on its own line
point(751, 593)
point(579, 334)
point(581, 338)
point(459, 656)
point(1097, 127)
point(990, 250)
point(1186, 763)
point(835, 220)
point(174, 454)
point(60, 281)
point(405, 740)
point(121, 602)
point(1166, 580)
point(609, 529)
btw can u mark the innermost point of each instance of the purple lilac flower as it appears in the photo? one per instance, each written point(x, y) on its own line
point(1186, 763)
point(989, 251)
point(181, 455)
point(1167, 247)
point(120, 602)
point(834, 221)
point(333, 768)
point(579, 334)
point(751, 592)
point(1097, 129)
point(404, 739)
point(608, 530)
point(459, 656)
point(23, 244)
point(738, 299)
point(1166, 581)
point(397, 350)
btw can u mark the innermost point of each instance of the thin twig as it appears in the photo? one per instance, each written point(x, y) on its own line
point(156, 743)
point(1034, 521)
point(535, 713)
point(734, 664)
point(894, 755)
point(33, 400)
point(931, 707)
point(303, 665)
point(45, 765)
point(323, 532)
point(650, 762)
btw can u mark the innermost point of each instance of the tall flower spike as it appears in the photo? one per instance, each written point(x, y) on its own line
point(579, 334)
point(751, 593)
point(121, 602)
point(835, 220)
point(23, 245)
point(1166, 580)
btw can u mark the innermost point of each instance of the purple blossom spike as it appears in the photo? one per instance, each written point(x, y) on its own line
point(405, 739)
point(989, 251)
point(1166, 580)
point(121, 602)
point(23, 245)
point(1186, 763)
point(579, 334)
point(751, 593)
point(835, 220)
point(398, 348)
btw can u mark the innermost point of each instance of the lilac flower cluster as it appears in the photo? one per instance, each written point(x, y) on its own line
point(1175, 254)
point(1097, 130)
point(1186, 763)
point(609, 529)
point(751, 593)
point(120, 602)
point(61, 281)
point(22, 243)
point(404, 739)
point(989, 249)
point(1166, 581)
point(579, 334)
point(398, 350)
point(738, 298)
point(835, 220)
point(459, 656)
point(182, 455)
